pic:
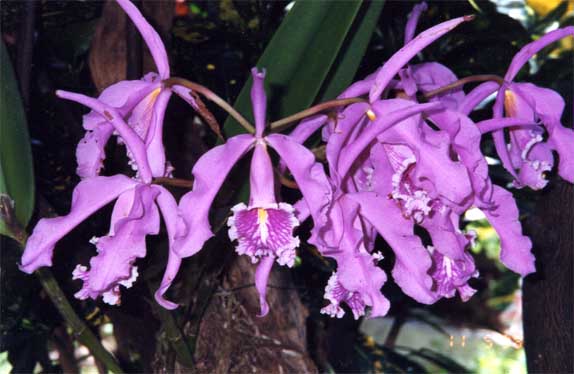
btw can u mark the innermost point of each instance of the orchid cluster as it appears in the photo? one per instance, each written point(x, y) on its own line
point(401, 153)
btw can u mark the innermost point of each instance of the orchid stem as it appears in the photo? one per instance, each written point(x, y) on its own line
point(174, 335)
point(80, 330)
point(210, 95)
point(463, 81)
point(284, 123)
point(175, 182)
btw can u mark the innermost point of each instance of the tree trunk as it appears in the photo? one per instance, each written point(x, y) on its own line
point(548, 294)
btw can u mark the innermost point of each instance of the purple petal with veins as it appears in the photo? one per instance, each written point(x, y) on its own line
point(451, 275)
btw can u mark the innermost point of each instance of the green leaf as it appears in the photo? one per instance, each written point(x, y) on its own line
point(355, 46)
point(299, 57)
point(16, 174)
point(441, 360)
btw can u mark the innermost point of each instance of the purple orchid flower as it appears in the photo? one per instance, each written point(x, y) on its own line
point(429, 76)
point(358, 280)
point(452, 276)
point(349, 236)
point(264, 227)
point(141, 103)
point(528, 156)
point(135, 215)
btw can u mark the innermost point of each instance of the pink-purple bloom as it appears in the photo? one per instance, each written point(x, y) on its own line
point(393, 165)
point(141, 103)
point(135, 215)
point(134, 111)
point(528, 156)
point(264, 227)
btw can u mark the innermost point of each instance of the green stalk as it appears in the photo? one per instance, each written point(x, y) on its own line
point(80, 330)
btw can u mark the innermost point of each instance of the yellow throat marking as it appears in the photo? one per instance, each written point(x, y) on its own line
point(262, 222)
point(509, 103)
point(372, 116)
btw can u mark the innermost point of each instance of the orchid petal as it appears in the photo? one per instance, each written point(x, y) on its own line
point(118, 251)
point(445, 235)
point(358, 281)
point(413, 20)
point(151, 37)
point(476, 96)
point(261, 279)
point(209, 174)
point(548, 106)
point(412, 258)
point(561, 140)
point(514, 247)
point(132, 140)
point(89, 196)
point(496, 124)
point(388, 113)
point(361, 87)
point(258, 100)
point(309, 175)
point(533, 48)
point(261, 178)
point(498, 136)
point(352, 121)
point(307, 127)
point(431, 76)
point(90, 152)
point(408, 84)
point(465, 140)
point(154, 138)
point(262, 232)
point(406, 53)
point(185, 94)
point(124, 96)
point(168, 208)
point(452, 275)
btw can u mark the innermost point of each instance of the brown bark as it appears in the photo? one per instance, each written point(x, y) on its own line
point(233, 339)
point(548, 294)
point(108, 52)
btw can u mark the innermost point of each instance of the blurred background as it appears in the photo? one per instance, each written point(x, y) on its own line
point(81, 46)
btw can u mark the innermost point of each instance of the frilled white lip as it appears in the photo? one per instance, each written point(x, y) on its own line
point(258, 236)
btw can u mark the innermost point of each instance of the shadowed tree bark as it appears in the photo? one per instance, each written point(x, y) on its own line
point(548, 294)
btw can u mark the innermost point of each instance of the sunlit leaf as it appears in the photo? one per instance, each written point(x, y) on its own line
point(352, 51)
point(299, 56)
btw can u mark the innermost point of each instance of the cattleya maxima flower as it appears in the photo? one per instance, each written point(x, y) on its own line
point(141, 103)
point(134, 216)
point(264, 228)
point(409, 164)
point(347, 138)
point(133, 110)
point(393, 164)
point(529, 156)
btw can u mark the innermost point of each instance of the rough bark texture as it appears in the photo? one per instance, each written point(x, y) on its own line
point(548, 295)
point(108, 57)
point(233, 339)
point(108, 52)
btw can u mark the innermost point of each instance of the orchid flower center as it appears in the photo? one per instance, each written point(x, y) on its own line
point(336, 294)
point(510, 103)
point(371, 115)
point(265, 231)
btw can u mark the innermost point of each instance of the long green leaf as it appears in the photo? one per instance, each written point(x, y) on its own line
point(299, 56)
point(349, 58)
point(16, 174)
